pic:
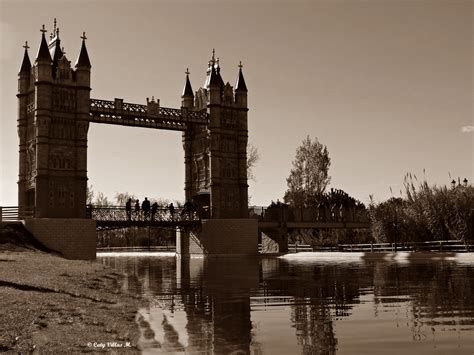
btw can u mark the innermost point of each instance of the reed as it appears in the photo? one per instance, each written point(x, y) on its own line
point(424, 213)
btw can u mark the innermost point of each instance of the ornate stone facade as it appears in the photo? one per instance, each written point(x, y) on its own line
point(216, 155)
point(52, 129)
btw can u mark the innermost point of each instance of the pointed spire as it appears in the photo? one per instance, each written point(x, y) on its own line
point(240, 85)
point(188, 90)
point(218, 71)
point(43, 52)
point(55, 47)
point(83, 59)
point(214, 78)
point(26, 64)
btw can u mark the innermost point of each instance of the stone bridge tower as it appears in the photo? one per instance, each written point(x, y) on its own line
point(216, 155)
point(52, 127)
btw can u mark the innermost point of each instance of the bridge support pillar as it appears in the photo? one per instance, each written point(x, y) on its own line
point(274, 240)
point(74, 238)
point(220, 237)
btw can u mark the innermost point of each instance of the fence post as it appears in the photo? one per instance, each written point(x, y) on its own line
point(1, 213)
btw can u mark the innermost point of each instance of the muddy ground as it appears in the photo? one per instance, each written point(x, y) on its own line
point(52, 305)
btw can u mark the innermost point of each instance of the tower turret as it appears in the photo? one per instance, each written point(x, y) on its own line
point(214, 87)
point(24, 79)
point(43, 60)
point(83, 65)
point(241, 89)
point(188, 95)
point(25, 72)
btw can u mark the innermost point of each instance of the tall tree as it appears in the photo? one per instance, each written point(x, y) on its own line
point(253, 156)
point(122, 198)
point(309, 175)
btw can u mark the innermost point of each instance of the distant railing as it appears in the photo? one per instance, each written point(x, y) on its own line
point(15, 213)
point(437, 245)
point(155, 248)
point(434, 245)
point(120, 213)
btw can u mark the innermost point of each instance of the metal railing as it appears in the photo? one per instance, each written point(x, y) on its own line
point(120, 213)
point(15, 213)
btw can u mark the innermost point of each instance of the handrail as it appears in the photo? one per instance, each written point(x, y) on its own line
point(120, 213)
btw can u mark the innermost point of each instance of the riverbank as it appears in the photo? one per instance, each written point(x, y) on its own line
point(53, 305)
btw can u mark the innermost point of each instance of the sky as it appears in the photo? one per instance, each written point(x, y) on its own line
point(386, 85)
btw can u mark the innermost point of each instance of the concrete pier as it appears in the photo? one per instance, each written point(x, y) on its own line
point(220, 237)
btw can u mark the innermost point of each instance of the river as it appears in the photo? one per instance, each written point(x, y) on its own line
point(305, 303)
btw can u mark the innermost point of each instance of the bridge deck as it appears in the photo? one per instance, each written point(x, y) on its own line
point(315, 225)
point(156, 224)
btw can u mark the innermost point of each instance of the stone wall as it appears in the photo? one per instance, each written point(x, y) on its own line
point(226, 237)
point(74, 238)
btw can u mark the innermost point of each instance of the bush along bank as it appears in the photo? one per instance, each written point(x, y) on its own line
point(425, 213)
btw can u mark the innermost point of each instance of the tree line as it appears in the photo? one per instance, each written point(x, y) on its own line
point(423, 212)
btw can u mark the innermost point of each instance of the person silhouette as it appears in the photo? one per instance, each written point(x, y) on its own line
point(146, 208)
point(187, 210)
point(128, 209)
point(137, 210)
point(154, 208)
point(171, 208)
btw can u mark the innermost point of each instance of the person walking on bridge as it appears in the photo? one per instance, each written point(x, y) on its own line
point(171, 208)
point(154, 208)
point(146, 209)
point(137, 210)
point(128, 209)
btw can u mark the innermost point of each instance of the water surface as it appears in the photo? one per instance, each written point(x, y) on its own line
point(306, 303)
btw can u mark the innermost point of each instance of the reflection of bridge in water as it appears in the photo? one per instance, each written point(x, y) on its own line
point(278, 305)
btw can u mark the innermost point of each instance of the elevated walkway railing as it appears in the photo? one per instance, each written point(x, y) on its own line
point(15, 213)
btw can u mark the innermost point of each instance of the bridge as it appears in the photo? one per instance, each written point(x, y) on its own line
point(55, 111)
point(111, 217)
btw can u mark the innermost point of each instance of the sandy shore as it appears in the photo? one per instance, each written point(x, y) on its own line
point(52, 305)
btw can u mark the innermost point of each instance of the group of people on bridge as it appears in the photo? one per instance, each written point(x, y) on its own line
point(149, 212)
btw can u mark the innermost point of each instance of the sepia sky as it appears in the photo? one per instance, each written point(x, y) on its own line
point(386, 85)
